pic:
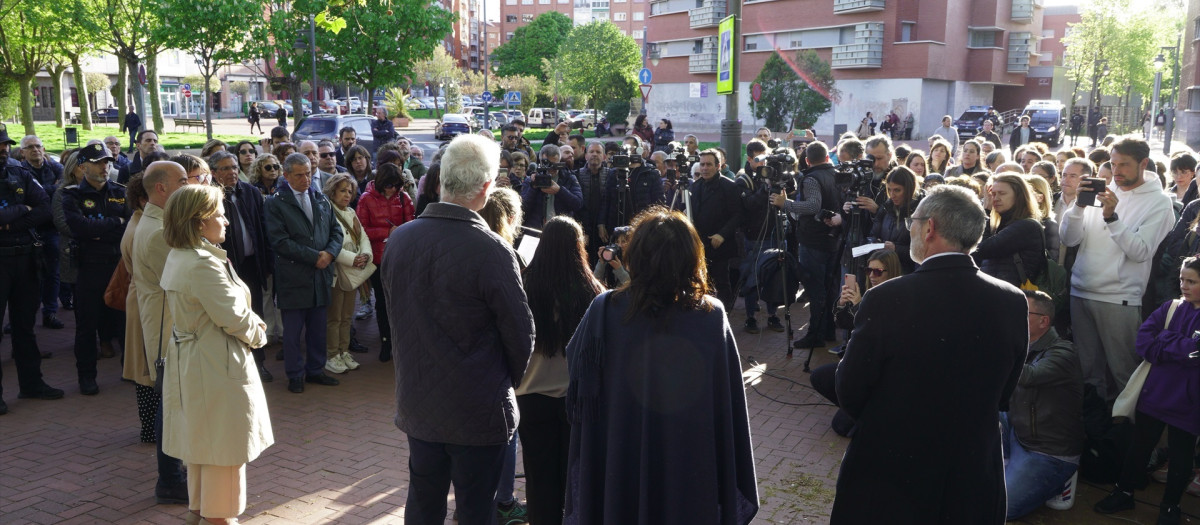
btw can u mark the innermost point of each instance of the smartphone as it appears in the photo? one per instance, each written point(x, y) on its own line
point(849, 279)
point(503, 174)
point(1088, 188)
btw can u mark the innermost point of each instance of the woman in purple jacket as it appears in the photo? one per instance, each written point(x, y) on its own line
point(1170, 398)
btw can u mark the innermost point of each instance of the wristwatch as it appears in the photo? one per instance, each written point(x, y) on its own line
point(1112, 219)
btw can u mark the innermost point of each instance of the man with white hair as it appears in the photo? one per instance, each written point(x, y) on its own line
point(467, 346)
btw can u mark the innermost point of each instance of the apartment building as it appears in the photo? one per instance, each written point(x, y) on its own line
point(927, 57)
point(1187, 110)
point(628, 15)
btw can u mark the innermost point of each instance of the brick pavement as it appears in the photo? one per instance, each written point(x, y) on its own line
point(339, 459)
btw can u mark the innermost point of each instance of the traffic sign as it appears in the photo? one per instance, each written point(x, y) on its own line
point(645, 91)
point(756, 92)
point(142, 74)
point(512, 97)
point(644, 75)
point(486, 96)
point(187, 87)
point(185, 92)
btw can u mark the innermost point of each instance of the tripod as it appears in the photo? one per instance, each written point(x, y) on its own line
point(683, 196)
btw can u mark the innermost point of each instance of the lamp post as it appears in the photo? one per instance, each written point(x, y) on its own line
point(1094, 97)
point(487, 104)
point(1169, 116)
point(1158, 65)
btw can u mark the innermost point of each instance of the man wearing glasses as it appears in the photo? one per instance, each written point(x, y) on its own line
point(96, 215)
point(114, 148)
point(309, 149)
point(47, 172)
point(147, 143)
point(25, 207)
point(327, 159)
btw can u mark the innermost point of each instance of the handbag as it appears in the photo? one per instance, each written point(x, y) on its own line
point(118, 287)
point(1126, 403)
point(1053, 279)
point(160, 363)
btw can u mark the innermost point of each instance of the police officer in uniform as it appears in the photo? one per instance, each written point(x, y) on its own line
point(96, 214)
point(23, 207)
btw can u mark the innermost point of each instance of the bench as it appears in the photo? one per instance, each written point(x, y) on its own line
point(188, 123)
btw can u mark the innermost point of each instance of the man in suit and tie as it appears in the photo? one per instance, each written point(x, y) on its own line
point(305, 239)
point(933, 360)
point(312, 152)
point(245, 237)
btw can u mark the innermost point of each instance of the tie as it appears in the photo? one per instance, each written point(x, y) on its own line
point(305, 205)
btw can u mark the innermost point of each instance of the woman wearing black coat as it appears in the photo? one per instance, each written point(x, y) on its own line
point(1015, 229)
point(664, 135)
point(889, 220)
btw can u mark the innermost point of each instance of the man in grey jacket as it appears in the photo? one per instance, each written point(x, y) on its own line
point(465, 346)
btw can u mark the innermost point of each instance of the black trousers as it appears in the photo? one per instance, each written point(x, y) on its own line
point(92, 317)
point(546, 440)
point(1181, 449)
point(20, 293)
point(432, 467)
point(381, 316)
point(718, 275)
point(824, 379)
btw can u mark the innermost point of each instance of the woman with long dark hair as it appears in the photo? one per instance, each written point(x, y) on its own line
point(1015, 230)
point(656, 383)
point(429, 193)
point(643, 130)
point(560, 286)
point(358, 165)
point(381, 209)
point(889, 225)
point(246, 152)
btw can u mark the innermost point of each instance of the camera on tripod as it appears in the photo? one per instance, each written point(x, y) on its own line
point(683, 165)
point(778, 169)
point(541, 173)
point(621, 162)
point(854, 178)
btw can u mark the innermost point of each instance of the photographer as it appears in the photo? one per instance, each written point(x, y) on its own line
point(758, 224)
point(592, 177)
point(552, 190)
point(817, 218)
point(717, 214)
point(631, 186)
point(609, 269)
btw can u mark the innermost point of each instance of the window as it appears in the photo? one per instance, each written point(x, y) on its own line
point(638, 34)
point(846, 35)
point(1193, 99)
point(1048, 33)
point(508, 36)
point(639, 16)
point(982, 39)
point(620, 17)
point(1046, 56)
point(750, 46)
point(544, 2)
point(906, 31)
point(510, 2)
point(697, 46)
point(512, 19)
point(527, 18)
point(1195, 29)
point(526, 2)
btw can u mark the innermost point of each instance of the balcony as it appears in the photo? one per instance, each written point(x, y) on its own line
point(1022, 10)
point(844, 7)
point(655, 52)
point(865, 52)
point(709, 15)
point(1019, 45)
point(703, 63)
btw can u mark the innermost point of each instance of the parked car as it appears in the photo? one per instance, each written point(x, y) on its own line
point(497, 121)
point(514, 114)
point(1047, 118)
point(544, 117)
point(970, 122)
point(268, 109)
point(105, 115)
point(451, 125)
point(326, 126)
point(354, 103)
point(585, 119)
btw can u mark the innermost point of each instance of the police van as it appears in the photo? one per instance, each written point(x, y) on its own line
point(1047, 118)
point(971, 121)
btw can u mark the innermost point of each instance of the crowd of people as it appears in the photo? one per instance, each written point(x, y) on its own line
point(523, 274)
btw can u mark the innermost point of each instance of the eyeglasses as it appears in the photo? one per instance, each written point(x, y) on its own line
point(328, 155)
point(246, 152)
point(271, 167)
point(34, 146)
point(112, 143)
point(1039, 313)
point(876, 272)
point(199, 177)
point(227, 168)
point(908, 221)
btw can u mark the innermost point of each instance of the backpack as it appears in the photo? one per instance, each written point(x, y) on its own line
point(778, 283)
point(1053, 279)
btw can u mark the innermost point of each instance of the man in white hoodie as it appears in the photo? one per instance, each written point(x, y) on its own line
point(1117, 241)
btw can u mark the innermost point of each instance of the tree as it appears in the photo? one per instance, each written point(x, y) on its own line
point(27, 41)
point(794, 92)
point(214, 31)
point(601, 77)
point(541, 38)
point(529, 87)
point(440, 68)
point(382, 41)
point(126, 28)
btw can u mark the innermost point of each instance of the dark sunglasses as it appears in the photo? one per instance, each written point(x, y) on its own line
point(271, 167)
point(246, 152)
point(876, 272)
point(328, 155)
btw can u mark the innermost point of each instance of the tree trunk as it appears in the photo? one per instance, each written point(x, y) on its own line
point(155, 99)
point(139, 98)
point(26, 85)
point(122, 90)
point(298, 106)
point(208, 74)
point(56, 73)
point(85, 108)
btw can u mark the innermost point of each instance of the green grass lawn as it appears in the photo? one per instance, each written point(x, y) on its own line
point(52, 137)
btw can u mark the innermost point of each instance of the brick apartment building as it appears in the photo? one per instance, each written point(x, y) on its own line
point(1187, 109)
point(628, 15)
point(928, 57)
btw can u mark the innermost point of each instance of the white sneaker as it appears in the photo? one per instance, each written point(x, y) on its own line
point(348, 361)
point(335, 365)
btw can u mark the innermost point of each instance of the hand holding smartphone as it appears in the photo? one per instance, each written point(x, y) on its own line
point(1089, 187)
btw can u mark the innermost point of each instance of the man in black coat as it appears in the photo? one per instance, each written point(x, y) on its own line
point(717, 214)
point(47, 173)
point(147, 143)
point(132, 123)
point(926, 389)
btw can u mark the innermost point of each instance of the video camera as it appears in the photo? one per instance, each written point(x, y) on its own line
point(613, 250)
point(778, 169)
point(854, 178)
point(683, 164)
point(541, 173)
point(621, 162)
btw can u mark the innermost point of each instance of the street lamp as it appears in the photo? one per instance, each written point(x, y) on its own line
point(1094, 102)
point(1158, 65)
point(1169, 113)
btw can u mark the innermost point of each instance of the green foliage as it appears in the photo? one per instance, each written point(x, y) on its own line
point(611, 75)
point(1125, 35)
point(617, 112)
point(529, 86)
point(197, 83)
point(96, 82)
point(30, 34)
point(540, 39)
point(453, 98)
point(393, 100)
point(382, 41)
point(438, 67)
point(789, 101)
point(239, 87)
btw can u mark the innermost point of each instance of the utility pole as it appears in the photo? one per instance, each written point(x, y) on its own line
point(487, 104)
point(312, 46)
point(731, 127)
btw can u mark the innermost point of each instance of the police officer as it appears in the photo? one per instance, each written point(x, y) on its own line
point(47, 172)
point(96, 215)
point(23, 208)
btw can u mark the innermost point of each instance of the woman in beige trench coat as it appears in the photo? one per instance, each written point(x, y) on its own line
point(135, 367)
point(214, 412)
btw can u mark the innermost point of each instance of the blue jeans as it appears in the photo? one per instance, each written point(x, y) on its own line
point(814, 265)
point(749, 270)
point(1029, 477)
point(50, 293)
point(508, 474)
point(433, 467)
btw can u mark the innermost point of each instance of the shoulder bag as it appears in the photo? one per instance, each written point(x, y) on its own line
point(1126, 403)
